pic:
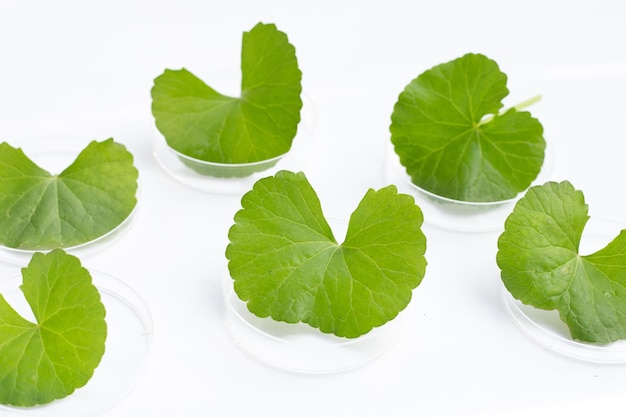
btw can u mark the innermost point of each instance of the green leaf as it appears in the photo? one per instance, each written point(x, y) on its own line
point(287, 265)
point(201, 123)
point(444, 133)
point(541, 265)
point(49, 359)
point(91, 197)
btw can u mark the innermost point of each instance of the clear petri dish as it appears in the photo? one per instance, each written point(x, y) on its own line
point(222, 178)
point(456, 215)
point(22, 256)
point(298, 347)
point(54, 154)
point(548, 330)
point(127, 350)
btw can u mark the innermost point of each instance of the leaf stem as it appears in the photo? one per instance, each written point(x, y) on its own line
point(526, 103)
point(518, 107)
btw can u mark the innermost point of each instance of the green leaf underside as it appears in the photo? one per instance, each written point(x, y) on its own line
point(49, 359)
point(287, 265)
point(447, 145)
point(91, 197)
point(201, 123)
point(541, 265)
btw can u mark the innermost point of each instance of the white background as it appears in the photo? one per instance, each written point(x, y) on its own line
point(85, 69)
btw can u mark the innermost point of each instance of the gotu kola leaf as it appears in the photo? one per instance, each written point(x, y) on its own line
point(91, 197)
point(538, 254)
point(446, 129)
point(261, 124)
point(287, 265)
point(49, 359)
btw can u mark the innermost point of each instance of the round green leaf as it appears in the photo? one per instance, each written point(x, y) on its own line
point(201, 123)
point(287, 265)
point(538, 254)
point(449, 147)
point(47, 360)
point(91, 197)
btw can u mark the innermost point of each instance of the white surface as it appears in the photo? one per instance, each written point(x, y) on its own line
point(86, 68)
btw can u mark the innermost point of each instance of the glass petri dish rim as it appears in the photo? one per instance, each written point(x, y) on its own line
point(325, 356)
point(178, 166)
point(341, 341)
point(456, 215)
point(18, 255)
point(545, 171)
point(49, 149)
point(119, 299)
point(223, 164)
point(597, 233)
